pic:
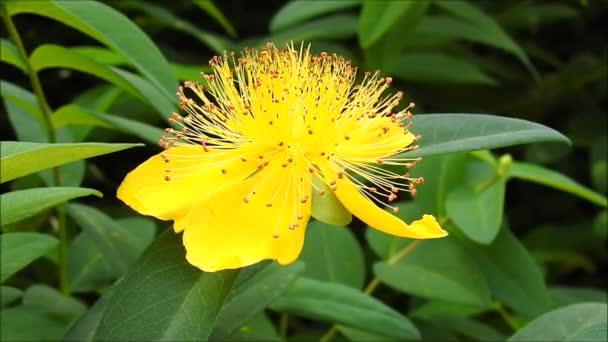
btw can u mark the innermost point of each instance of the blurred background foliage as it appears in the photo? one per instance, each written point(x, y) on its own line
point(543, 61)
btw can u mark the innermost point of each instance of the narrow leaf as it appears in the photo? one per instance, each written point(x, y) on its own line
point(544, 176)
point(19, 205)
point(20, 249)
point(449, 133)
point(23, 158)
point(111, 28)
point(298, 11)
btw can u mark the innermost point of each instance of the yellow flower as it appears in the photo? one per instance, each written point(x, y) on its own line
point(237, 172)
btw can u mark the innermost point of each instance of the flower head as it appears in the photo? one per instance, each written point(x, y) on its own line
point(237, 172)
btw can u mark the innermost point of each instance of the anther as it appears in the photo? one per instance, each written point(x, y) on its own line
point(340, 174)
point(284, 164)
point(347, 137)
point(281, 143)
point(304, 199)
point(310, 132)
point(394, 190)
point(224, 171)
point(395, 210)
point(275, 235)
point(268, 204)
point(392, 197)
point(167, 178)
point(321, 192)
point(246, 199)
point(311, 170)
point(243, 159)
point(333, 182)
point(372, 189)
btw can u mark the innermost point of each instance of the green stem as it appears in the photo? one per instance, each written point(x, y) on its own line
point(507, 317)
point(283, 324)
point(52, 137)
point(373, 284)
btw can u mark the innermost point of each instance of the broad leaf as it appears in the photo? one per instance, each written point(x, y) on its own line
point(477, 210)
point(542, 175)
point(336, 303)
point(50, 301)
point(111, 28)
point(513, 276)
point(298, 11)
point(19, 205)
point(251, 296)
point(165, 298)
point(20, 249)
point(333, 254)
point(437, 269)
point(449, 133)
point(438, 68)
point(23, 158)
point(577, 322)
point(118, 247)
point(23, 323)
point(85, 327)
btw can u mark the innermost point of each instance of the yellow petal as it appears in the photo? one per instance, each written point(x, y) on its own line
point(224, 232)
point(368, 212)
point(193, 176)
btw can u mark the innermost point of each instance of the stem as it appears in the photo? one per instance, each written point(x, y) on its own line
point(507, 317)
point(283, 324)
point(373, 284)
point(52, 138)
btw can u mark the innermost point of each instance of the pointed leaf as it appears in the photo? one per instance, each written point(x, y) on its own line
point(23, 158)
point(325, 262)
point(20, 249)
point(449, 133)
point(542, 175)
point(577, 322)
point(251, 296)
point(10, 55)
point(336, 303)
point(19, 205)
point(298, 11)
point(165, 298)
point(111, 28)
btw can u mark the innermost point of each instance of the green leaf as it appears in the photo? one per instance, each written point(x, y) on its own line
point(386, 245)
point(437, 269)
point(439, 308)
point(382, 54)
point(10, 55)
point(577, 322)
point(479, 27)
point(449, 133)
point(554, 179)
point(23, 158)
point(477, 210)
point(23, 323)
point(259, 328)
point(599, 164)
point(334, 27)
point(19, 205)
point(438, 68)
point(563, 296)
point(9, 294)
point(75, 115)
point(87, 268)
point(378, 17)
point(341, 304)
point(85, 327)
point(325, 262)
point(298, 11)
point(533, 16)
point(111, 28)
point(513, 276)
point(211, 9)
point(251, 296)
point(54, 56)
point(52, 302)
point(470, 328)
point(157, 13)
point(165, 298)
point(118, 247)
point(22, 98)
point(20, 249)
